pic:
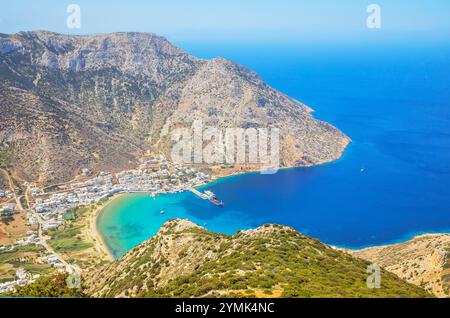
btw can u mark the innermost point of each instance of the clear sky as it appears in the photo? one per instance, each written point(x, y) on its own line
point(233, 19)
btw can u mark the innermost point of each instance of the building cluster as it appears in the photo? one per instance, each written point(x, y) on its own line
point(53, 260)
point(155, 176)
point(7, 209)
point(6, 194)
point(31, 238)
point(22, 278)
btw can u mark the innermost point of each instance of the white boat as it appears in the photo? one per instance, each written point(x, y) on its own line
point(210, 194)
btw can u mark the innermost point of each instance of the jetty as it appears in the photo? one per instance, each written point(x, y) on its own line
point(198, 193)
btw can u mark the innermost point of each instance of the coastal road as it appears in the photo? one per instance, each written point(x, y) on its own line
point(27, 197)
point(69, 268)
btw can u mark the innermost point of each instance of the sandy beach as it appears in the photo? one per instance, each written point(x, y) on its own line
point(95, 235)
point(97, 238)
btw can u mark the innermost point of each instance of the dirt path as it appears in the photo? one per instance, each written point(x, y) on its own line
point(13, 190)
point(69, 267)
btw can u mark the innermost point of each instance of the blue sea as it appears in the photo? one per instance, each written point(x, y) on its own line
point(393, 182)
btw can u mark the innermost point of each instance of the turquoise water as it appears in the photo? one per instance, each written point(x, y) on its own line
point(394, 102)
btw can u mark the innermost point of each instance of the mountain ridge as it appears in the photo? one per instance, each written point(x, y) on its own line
point(129, 87)
point(185, 260)
point(423, 261)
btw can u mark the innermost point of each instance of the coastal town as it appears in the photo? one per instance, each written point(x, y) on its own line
point(49, 207)
point(154, 176)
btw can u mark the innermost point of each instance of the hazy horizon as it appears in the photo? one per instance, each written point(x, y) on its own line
point(252, 21)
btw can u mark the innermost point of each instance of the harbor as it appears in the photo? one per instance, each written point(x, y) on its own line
point(198, 193)
point(207, 195)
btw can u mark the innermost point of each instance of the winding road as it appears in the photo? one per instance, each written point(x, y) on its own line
point(71, 269)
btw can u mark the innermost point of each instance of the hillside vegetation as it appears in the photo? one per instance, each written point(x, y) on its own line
point(185, 260)
point(423, 261)
point(48, 286)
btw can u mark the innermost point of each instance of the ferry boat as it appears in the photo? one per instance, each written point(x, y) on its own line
point(210, 194)
point(217, 202)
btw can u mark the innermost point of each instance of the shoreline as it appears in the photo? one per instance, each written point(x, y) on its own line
point(95, 234)
point(405, 238)
point(97, 237)
point(103, 248)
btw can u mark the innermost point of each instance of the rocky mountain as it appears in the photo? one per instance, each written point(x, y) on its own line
point(423, 261)
point(69, 102)
point(185, 260)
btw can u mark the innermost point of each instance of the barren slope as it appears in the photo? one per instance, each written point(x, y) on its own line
point(423, 261)
point(69, 102)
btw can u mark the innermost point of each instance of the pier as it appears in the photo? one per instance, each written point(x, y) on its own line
point(198, 193)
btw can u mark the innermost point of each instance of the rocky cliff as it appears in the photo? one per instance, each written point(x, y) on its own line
point(69, 102)
point(423, 261)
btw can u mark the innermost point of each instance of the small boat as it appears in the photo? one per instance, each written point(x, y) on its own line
point(162, 212)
